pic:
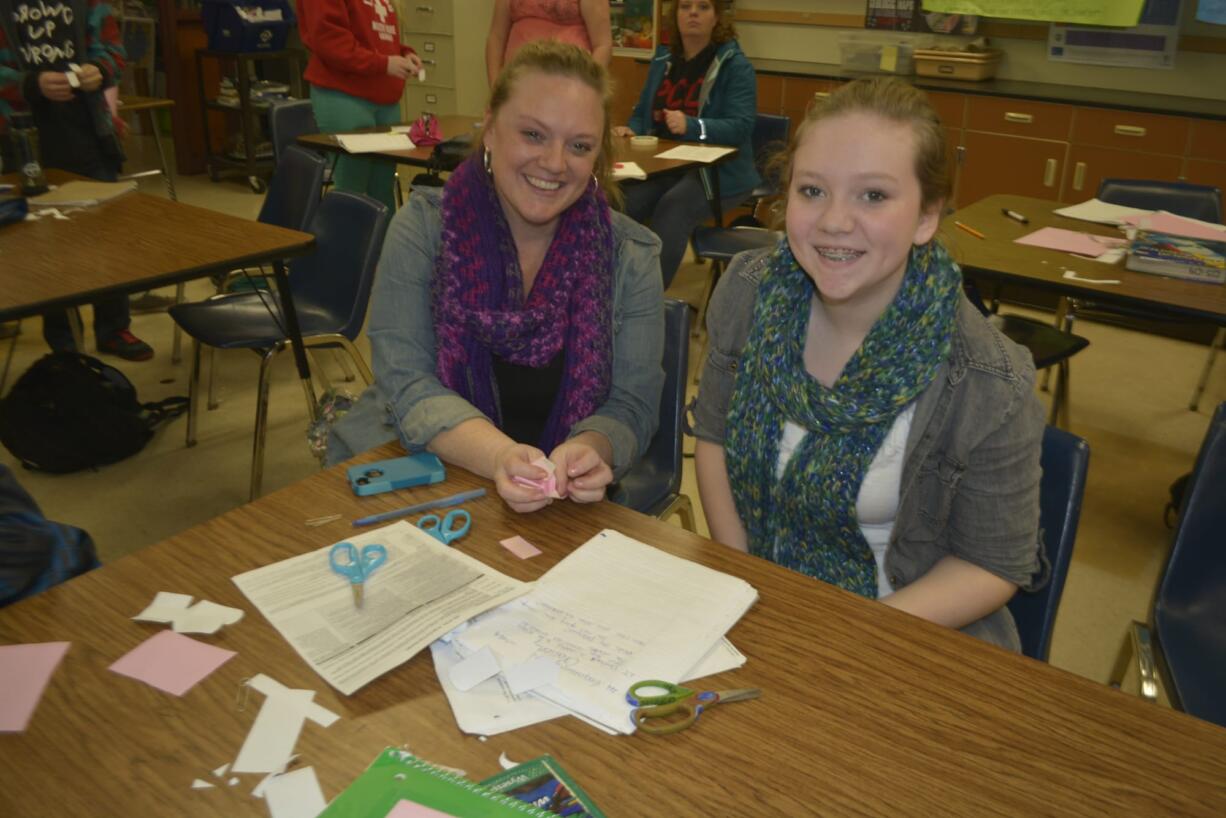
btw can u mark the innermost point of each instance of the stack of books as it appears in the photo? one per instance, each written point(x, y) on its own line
point(1196, 259)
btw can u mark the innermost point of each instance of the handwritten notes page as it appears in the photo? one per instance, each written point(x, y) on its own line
point(695, 153)
point(611, 613)
point(423, 591)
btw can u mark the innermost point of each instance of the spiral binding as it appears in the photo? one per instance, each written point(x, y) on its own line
point(405, 757)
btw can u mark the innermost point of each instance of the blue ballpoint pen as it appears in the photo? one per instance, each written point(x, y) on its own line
point(443, 502)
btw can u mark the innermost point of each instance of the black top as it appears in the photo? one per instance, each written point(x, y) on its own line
point(526, 395)
point(681, 88)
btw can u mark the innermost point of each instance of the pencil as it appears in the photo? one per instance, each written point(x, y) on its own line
point(970, 230)
point(453, 500)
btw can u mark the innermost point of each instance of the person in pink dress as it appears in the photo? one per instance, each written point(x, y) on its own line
point(582, 22)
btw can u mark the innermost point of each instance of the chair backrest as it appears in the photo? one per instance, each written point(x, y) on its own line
point(1065, 460)
point(336, 278)
point(1202, 202)
point(293, 193)
point(1189, 613)
point(287, 121)
point(656, 476)
point(770, 135)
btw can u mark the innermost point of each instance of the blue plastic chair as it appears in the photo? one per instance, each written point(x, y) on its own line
point(1183, 642)
point(1202, 202)
point(287, 121)
point(331, 290)
point(1065, 460)
point(653, 484)
point(770, 135)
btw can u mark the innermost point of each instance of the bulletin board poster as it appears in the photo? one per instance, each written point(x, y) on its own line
point(633, 23)
point(908, 15)
point(1123, 13)
point(1151, 43)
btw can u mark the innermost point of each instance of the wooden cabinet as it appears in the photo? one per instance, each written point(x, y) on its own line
point(629, 76)
point(452, 51)
point(798, 94)
point(1124, 144)
point(1206, 162)
point(1012, 146)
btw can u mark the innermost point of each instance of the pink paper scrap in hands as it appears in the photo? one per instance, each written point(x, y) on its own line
point(548, 485)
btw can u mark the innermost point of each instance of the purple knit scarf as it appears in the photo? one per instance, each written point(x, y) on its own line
point(480, 310)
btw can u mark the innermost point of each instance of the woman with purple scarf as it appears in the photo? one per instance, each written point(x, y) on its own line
point(514, 315)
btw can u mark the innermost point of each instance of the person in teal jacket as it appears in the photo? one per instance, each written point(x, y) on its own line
point(701, 89)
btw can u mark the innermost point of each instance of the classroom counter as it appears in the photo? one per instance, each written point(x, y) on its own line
point(1018, 89)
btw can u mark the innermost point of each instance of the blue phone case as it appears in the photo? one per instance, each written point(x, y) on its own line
point(398, 473)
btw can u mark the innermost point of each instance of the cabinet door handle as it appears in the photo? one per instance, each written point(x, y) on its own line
point(425, 9)
point(1130, 130)
point(1049, 173)
point(960, 153)
point(429, 62)
point(1025, 119)
point(821, 94)
point(1079, 175)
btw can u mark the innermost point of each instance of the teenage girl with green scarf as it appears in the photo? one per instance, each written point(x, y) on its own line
point(859, 421)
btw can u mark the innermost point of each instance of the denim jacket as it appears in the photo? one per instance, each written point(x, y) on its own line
point(727, 106)
point(409, 401)
point(970, 479)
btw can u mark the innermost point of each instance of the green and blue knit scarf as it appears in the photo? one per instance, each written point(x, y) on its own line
point(806, 521)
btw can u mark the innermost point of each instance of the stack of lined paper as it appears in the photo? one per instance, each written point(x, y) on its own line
point(614, 612)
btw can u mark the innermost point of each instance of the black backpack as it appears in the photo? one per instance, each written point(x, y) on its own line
point(70, 412)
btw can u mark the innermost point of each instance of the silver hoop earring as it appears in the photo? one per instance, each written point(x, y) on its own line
point(486, 161)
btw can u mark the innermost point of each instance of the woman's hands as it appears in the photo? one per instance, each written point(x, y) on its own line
point(675, 120)
point(403, 67)
point(622, 130)
point(581, 472)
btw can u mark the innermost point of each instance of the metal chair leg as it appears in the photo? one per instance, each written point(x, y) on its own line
point(8, 357)
point(193, 394)
point(1218, 340)
point(214, 401)
point(343, 362)
point(176, 349)
point(261, 423)
point(1139, 645)
point(683, 507)
point(1059, 414)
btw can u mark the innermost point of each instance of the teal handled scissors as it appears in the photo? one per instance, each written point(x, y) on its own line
point(356, 566)
point(449, 528)
point(677, 707)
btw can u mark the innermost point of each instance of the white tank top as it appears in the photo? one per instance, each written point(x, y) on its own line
point(877, 502)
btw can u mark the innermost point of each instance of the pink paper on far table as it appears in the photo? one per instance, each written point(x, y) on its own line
point(25, 671)
point(1163, 222)
point(1070, 241)
point(171, 661)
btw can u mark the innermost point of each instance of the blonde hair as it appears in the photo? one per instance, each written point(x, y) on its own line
point(892, 99)
point(563, 60)
point(722, 33)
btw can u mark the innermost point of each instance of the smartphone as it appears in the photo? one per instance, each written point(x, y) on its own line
point(419, 469)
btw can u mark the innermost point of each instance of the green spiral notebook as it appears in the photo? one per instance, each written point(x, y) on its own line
point(397, 776)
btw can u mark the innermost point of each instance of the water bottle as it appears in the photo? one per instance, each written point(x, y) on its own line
point(24, 136)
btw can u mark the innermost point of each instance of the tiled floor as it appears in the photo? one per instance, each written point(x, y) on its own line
point(1129, 400)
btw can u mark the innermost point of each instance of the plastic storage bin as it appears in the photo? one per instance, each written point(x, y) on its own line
point(958, 65)
point(862, 53)
point(247, 25)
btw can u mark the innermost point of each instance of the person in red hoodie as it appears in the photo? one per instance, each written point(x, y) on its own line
point(357, 72)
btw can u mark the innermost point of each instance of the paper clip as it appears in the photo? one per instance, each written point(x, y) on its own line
point(315, 522)
point(244, 693)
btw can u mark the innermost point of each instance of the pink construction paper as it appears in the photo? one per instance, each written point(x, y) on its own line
point(548, 484)
point(25, 671)
point(1070, 241)
point(171, 661)
point(407, 809)
point(1164, 222)
point(520, 547)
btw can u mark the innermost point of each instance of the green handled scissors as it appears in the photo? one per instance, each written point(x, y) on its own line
point(677, 707)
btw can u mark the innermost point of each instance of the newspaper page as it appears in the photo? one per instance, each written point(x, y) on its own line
point(423, 591)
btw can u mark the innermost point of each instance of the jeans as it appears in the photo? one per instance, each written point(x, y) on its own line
point(337, 112)
point(672, 208)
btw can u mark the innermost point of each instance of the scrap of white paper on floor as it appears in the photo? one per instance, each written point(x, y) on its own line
point(375, 142)
point(695, 153)
point(421, 592)
point(613, 612)
point(492, 708)
point(295, 794)
point(1101, 212)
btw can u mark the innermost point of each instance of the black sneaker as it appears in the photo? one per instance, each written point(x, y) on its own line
point(126, 346)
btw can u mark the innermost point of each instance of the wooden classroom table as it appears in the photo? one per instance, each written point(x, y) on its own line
point(136, 242)
point(864, 710)
point(996, 257)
